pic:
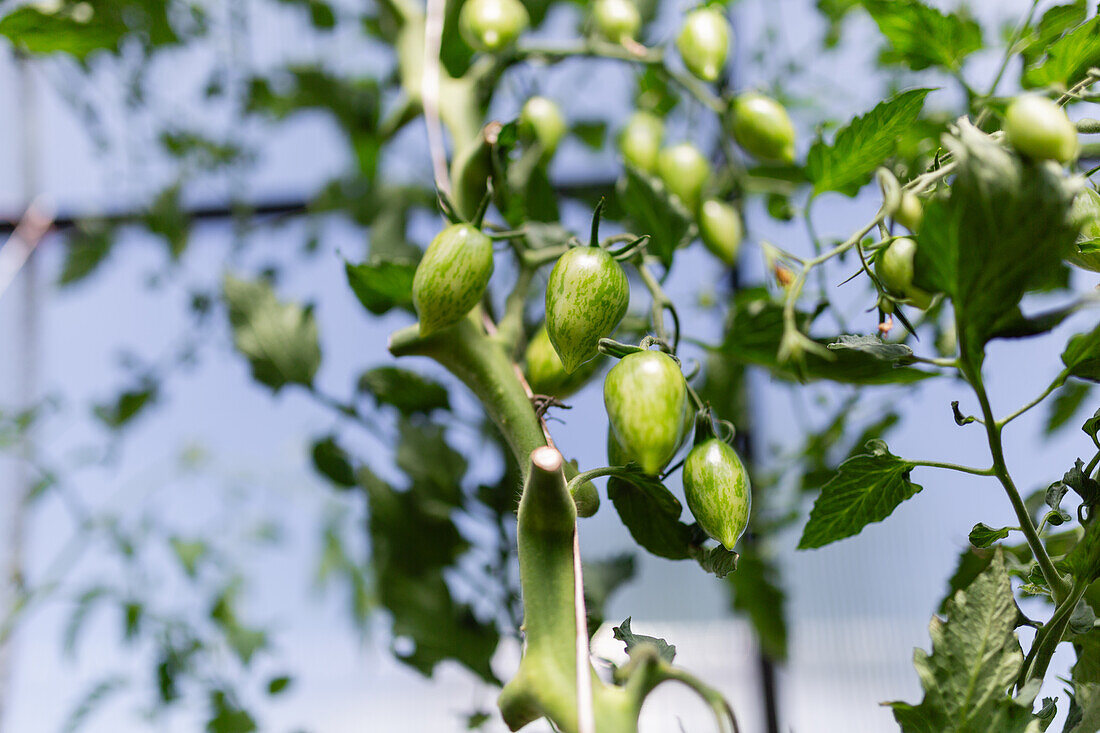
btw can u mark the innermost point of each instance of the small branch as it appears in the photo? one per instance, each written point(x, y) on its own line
point(956, 467)
point(1058, 382)
point(433, 39)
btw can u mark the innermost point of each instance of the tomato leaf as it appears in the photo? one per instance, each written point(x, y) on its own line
point(333, 462)
point(860, 147)
point(1025, 203)
point(975, 659)
point(407, 391)
point(1082, 355)
point(874, 346)
point(1066, 403)
point(1068, 59)
point(622, 632)
point(650, 206)
point(866, 489)
point(983, 536)
point(382, 285)
point(647, 519)
point(280, 340)
point(921, 36)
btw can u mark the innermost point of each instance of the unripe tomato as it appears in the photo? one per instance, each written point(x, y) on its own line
point(716, 486)
point(721, 230)
point(617, 20)
point(646, 396)
point(451, 277)
point(704, 42)
point(1039, 128)
point(684, 171)
point(640, 140)
point(894, 268)
point(586, 297)
point(541, 120)
point(1086, 216)
point(545, 373)
point(491, 25)
point(762, 127)
point(910, 211)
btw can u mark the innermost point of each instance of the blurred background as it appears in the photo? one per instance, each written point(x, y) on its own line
point(171, 558)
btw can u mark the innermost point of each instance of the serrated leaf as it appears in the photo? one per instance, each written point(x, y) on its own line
point(1001, 229)
point(409, 392)
point(716, 560)
point(623, 633)
point(874, 346)
point(382, 285)
point(1068, 59)
point(647, 519)
point(982, 535)
point(921, 36)
point(280, 340)
point(1082, 355)
point(1091, 427)
point(866, 489)
point(975, 659)
point(863, 144)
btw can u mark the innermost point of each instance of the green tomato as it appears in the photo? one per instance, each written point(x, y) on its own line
point(762, 127)
point(640, 141)
point(1086, 215)
point(716, 486)
point(451, 277)
point(492, 25)
point(684, 171)
point(646, 396)
point(910, 211)
point(545, 373)
point(617, 20)
point(541, 120)
point(721, 230)
point(704, 42)
point(895, 267)
point(1039, 128)
point(586, 297)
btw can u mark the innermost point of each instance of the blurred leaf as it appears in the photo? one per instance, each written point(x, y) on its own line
point(86, 248)
point(863, 145)
point(622, 632)
point(654, 212)
point(166, 218)
point(99, 693)
point(921, 36)
point(1066, 60)
point(126, 406)
point(278, 685)
point(382, 285)
point(407, 391)
point(601, 579)
point(1054, 22)
point(975, 658)
point(866, 489)
point(244, 641)
point(280, 340)
point(321, 14)
point(80, 29)
point(435, 468)
point(333, 462)
point(1067, 402)
point(756, 592)
point(590, 132)
point(189, 553)
point(227, 717)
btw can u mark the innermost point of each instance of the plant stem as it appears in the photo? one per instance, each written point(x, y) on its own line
point(1054, 579)
point(1058, 382)
point(956, 467)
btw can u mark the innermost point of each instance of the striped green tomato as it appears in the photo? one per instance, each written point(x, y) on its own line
point(545, 373)
point(451, 277)
point(716, 486)
point(586, 297)
point(721, 230)
point(704, 42)
point(646, 397)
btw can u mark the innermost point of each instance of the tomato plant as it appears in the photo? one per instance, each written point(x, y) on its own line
point(973, 221)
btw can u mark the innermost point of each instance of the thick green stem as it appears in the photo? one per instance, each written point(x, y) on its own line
point(484, 366)
point(546, 683)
